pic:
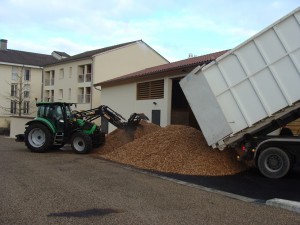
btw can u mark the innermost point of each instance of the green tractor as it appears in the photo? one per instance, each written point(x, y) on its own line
point(56, 125)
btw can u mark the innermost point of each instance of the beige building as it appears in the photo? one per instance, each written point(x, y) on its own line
point(154, 91)
point(21, 82)
point(72, 79)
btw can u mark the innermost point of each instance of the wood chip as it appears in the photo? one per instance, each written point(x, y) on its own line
point(173, 149)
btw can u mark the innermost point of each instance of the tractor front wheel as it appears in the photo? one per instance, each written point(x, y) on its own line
point(38, 137)
point(81, 142)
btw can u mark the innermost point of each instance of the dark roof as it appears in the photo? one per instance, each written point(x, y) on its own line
point(25, 58)
point(182, 64)
point(63, 54)
point(89, 54)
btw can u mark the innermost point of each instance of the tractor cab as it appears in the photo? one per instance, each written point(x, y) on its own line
point(57, 113)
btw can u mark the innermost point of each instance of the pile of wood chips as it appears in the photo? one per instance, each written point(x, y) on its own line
point(173, 149)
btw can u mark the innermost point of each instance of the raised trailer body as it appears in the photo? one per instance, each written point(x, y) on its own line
point(248, 85)
point(251, 90)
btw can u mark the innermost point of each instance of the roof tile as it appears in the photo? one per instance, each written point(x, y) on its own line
point(148, 72)
point(25, 58)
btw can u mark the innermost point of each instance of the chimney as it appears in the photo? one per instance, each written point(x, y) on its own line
point(3, 44)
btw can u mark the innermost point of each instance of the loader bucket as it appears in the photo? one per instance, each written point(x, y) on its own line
point(135, 119)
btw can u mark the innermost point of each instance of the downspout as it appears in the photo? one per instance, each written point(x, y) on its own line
point(92, 83)
point(42, 88)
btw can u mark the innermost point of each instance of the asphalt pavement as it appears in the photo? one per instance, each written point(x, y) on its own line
point(61, 187)
point(250, 184)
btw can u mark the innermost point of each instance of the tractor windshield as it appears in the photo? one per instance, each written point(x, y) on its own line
point(69, 112)
point(53, 112)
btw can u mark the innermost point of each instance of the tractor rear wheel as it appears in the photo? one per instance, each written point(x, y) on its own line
point(38, 137)
point(81, 143)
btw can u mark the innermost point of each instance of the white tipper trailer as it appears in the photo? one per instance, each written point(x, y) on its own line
point(250, 91)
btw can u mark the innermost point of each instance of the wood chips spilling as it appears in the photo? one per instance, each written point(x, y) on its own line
point(173, 149)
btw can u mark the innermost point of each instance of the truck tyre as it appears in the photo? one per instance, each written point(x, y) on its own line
point(81, 143)
point(274, 162)
point(38, 138)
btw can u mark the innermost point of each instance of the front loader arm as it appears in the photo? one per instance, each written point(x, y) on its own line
point(112, 117)
point(119, 121)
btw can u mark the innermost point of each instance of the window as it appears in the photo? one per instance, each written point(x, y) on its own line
point(13, 107)
point(85, 73)
point(70, 72)
point(89, 68)
point(52, 96)
point(61, 94)
point(26, 107)
point(52, 77)
point(14, 73)
point(13, 90)
point(150, 90)
point(26, 90)
point(88, 75)
point(27, 74)
point(87, 95)
point(80, 74)
point(61, 73)
point(80, 96)
point(47, 78)
point(69, 95)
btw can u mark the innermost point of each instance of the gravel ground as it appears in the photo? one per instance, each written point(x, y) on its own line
point(60, 187)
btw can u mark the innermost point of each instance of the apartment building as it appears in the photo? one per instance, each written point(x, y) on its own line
point(71, 79)
point(21, 81)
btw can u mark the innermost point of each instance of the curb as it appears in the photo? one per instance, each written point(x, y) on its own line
point(285, 204)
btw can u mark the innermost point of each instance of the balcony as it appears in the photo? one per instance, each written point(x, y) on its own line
point(49, 82)
point(84, 98)
point(84, 78)
point(26, 94)
point(88, 77)
point(80, 78)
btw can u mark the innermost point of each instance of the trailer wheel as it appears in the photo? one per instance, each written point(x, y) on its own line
point(38, 137)
point(274, 162)
point(81, 142)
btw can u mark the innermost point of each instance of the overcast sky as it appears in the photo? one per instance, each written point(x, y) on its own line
point(174, 28)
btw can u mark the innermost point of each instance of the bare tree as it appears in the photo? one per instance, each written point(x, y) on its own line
point(19, 96)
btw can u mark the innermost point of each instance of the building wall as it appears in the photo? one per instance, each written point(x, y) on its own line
point(125, 60)
point(5, 72)
point(121, 61)
point(36, 86)
point(69, 81)
point(122, 99)
point(5, 89)
point(105, 66)
point(17, 125)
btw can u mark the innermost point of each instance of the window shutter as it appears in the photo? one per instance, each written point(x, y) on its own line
point(150, 90)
